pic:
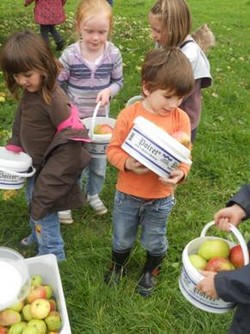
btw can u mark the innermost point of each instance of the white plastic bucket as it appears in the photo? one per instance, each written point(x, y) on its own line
point(134, 99)
point(14, 169)
point(190, 276)
point(99, 143)
point(155, 148)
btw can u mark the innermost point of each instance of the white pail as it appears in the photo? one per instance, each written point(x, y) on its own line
point(134, 99)
point(155, 148)
point(14, 169)
point(99, 143)
point(190, 276)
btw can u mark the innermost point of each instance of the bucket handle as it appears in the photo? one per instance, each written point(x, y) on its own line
point(94, 118)
point(11, 172)
point(237, 234)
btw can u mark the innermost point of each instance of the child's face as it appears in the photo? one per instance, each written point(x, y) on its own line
point(31, 80)
point(161, 102)
point(156, 27)
point(94, 32)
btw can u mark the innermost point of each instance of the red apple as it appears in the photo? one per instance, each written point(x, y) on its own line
point(3, 330)
point(9, 317)
point(36, 292)
point(103, 129)
point(219, 264)
point(236, 256)
point(183, 138)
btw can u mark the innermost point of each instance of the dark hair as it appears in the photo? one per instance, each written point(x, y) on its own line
point(25, 51)
point(175, 20)
point(167, 69)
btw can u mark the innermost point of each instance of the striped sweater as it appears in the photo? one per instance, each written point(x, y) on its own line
point(82, 83)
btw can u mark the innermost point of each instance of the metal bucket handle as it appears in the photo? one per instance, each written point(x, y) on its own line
point(237, 234)
point(11, 172)
point(91, 130)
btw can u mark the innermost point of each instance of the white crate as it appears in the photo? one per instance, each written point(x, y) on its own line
point(47, 267)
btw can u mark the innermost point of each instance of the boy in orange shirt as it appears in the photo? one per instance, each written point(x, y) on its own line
point(143, 198)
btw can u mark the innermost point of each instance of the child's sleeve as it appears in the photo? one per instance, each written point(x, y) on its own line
point(64, 71)
point(117, 75)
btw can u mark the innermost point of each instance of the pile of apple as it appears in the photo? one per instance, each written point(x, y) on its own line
point(103, 129)
point(216, 255)
point(37, 314)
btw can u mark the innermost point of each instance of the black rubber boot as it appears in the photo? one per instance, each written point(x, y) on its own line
point(151, 270)
point(117, 269)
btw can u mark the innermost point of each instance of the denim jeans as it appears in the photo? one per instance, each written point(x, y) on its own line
point(131, 212)
point(94, 174)
point(46, 29)
point(46, 231)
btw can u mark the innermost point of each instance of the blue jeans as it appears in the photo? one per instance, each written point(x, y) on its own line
point(46, 231)
point(131, 212)
point(95, 175)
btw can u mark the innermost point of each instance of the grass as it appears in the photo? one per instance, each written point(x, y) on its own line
point(221, 164)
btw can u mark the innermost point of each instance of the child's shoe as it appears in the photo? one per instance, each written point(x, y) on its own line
point(113, 276)
point(97, 205)
point(147, 283)
point(65, 217)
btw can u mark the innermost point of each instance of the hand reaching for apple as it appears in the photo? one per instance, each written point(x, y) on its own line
point(135, 166)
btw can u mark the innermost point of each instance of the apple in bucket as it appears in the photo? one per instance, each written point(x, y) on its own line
point(103, 129)
point(236, 256)
point(214, 248)
point(219, 264)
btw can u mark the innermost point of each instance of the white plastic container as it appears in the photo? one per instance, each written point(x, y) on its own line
point(134, 99)
point(47, 267)
point(14, 277)
point(99, 143)
point(190, 276)
point(155, 148)
point(14, 169)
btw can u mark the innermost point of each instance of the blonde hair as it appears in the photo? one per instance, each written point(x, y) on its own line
point(26, 51)
point(90, 8)
point(167, 69)
point(176, 21)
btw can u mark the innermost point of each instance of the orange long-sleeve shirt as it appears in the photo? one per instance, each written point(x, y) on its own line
point(145, 185)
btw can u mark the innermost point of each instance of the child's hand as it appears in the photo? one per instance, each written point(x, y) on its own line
point(231, 215)
point(104, 97)
point(135, 166)
point(174, 177)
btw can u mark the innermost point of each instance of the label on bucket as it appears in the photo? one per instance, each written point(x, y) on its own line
point(8, 181)
point(200, 299)
point(149, 153)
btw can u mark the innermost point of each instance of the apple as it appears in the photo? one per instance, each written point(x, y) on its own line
point(30, 330)
point(103, 129)
point(53, 321)
point(9, 317)
point(18, 306)
point(49, 291)
point(212, 248)
point(197, 261)
point(17, 328)
point(52, 304)
point(219, 264)
point(236, 256)
point(3, 330)
point(36, 280)
point(39, 325)
point(26, 312)
point(36, 292)
point(183, 138)
point(40, 308)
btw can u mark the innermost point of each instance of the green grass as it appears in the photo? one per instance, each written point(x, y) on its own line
point(221, 164)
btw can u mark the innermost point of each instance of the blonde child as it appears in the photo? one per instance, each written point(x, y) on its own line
point(48, 14)
point(142, 198)
point(48, 128)
point(170, 22)
point(92, 72)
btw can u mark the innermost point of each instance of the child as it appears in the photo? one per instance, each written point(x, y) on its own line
point(92, 73)
point(48, 128)
point(142, 197)
point(232, 286)
point(170, 22)
point(48, 14)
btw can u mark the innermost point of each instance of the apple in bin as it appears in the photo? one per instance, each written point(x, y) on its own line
point(39, 325)
point(9, 317)
point(3, 330)
point(103, 129)
point(183, 138)
point(17, 328)
point(236, 256)
point(40, 308)
point(214, 248)
point(197, 261)
point(219, 264)
point(53, 321)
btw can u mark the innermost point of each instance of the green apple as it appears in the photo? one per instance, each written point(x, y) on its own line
point(49, 291)
point(40, 308)
point(26, 312)
point(30, 330)
point(17, 328)
point(197, 261)
point(53, 321)
point(36, 280)
point(39, 325)
point(9, 317)
point(212, 248)
point(18, 306)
